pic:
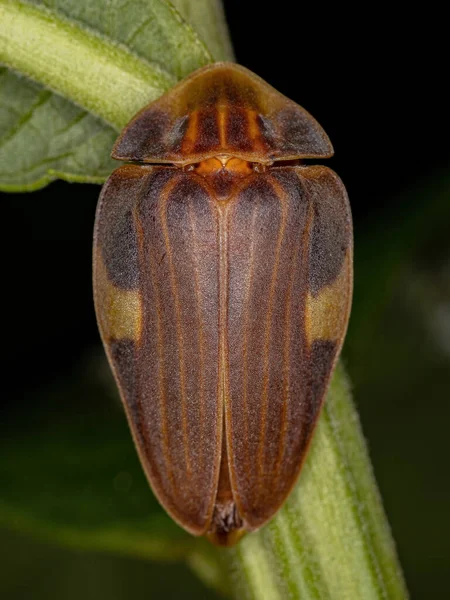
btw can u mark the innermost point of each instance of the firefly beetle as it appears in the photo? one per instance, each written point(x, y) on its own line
point(222, 283)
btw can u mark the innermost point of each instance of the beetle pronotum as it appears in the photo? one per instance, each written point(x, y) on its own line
point(223, 282)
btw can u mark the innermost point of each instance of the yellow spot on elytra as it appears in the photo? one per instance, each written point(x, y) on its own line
point(119, 311)
point(326, 314)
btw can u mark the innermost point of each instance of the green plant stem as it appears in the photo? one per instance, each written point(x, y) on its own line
point(104, 78)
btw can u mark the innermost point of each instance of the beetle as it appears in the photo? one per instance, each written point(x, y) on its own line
point(222, 284)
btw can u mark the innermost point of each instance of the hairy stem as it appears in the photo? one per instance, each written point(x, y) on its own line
point(98, 75)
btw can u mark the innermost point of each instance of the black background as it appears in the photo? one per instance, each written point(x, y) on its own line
point(375, 79)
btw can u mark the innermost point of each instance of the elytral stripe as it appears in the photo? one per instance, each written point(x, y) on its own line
point(161, 374)
point(280, 193)
point(301, 245)
point(121, 313)
point(201, 333)
point(160, 349)
point(178, 317)
point(326, 313)
point(245, 336)
point(223, 392)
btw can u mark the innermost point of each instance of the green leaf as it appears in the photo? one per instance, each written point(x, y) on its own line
point(109, 57)
point(44, 137)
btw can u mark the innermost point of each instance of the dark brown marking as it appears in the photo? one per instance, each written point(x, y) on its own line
point(123, 353)
point(295, 134)
point(323, 354)
point(114, 224)
point(237, 130)
point(332, 227)
point(146, 134)
point(207, 131)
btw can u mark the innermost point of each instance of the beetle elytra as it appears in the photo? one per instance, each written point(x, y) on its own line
point(223, 283)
